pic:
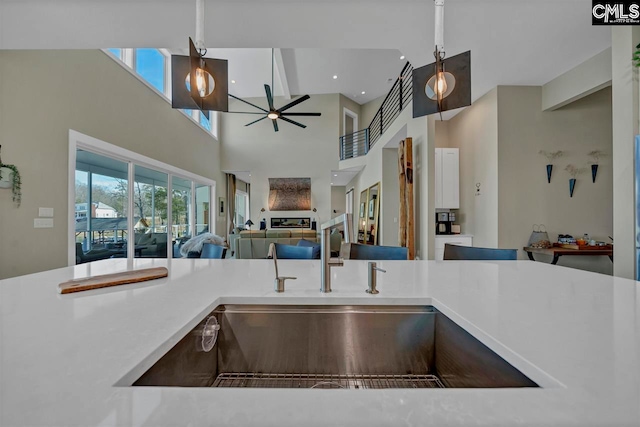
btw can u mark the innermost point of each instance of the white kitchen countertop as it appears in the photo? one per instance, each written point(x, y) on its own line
point(576, 333)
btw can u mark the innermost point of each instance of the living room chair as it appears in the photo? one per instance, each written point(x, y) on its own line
point(373, 252)
point(293, 252)
point(468, 253)
point(211, 251)
point(309, 244)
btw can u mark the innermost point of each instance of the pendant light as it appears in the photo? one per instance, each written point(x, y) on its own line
point(445, 84)
point(441, 83)
point(210, 91)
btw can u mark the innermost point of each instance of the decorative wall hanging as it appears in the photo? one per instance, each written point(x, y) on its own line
point(291, 222)
point(445, 84)
point(574, 172)
point(551, 156)
point(405, 177)
point(289, 194)
point(276, 113)
point(210, 91)
point(10, 178)
point(595, 159)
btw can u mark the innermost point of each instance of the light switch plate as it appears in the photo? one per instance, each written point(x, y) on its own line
point(45, 212)
point(43, 223)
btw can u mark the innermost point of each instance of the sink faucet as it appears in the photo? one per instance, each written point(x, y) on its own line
point(373, 280)
point(278, 283)
point(325, 250)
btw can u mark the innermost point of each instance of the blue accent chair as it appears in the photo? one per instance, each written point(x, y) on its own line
point(372, 252)
point(460, 253)
point(209, 250)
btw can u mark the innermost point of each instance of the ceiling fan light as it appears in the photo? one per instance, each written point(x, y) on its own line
point(273, 115)
point(440, 85)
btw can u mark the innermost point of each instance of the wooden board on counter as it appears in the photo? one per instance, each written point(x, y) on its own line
point(106, 280)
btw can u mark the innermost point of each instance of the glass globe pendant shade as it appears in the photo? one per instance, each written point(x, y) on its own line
point(440, 85)
point(204, 82)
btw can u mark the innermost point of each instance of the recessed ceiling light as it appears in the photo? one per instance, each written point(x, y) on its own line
point(335, 77)
point(402, 57)
point(335, 174)
point(363, 92)
point(332, 183)
point(233, 81)
point(249, 174)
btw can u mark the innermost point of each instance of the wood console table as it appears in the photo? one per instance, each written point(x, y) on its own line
point(557, 252)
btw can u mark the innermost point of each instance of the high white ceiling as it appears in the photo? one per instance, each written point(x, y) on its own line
point(512, 42)
point(311, 71)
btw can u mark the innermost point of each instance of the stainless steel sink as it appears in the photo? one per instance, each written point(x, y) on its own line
point(330, 347)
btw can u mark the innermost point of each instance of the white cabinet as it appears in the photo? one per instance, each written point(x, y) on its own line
point(447, 178)
point(460, 240)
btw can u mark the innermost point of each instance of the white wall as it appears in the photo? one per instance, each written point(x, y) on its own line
point(390, 202)
point(338, 200)
point(292, 152)
point(369, 110)
point(442, 134)
point(589, 77)
point(625, 112)
point(525, 197)
point(475, 132)
point(43, 94)
point(376, 169)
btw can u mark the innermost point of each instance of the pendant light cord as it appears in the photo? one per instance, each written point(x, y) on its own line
point(200, 46)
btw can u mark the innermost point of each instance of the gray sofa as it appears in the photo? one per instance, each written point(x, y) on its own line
point(255, 244)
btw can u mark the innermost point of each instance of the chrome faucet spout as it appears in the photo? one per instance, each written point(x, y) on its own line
point(278, 283)
point(325, 250)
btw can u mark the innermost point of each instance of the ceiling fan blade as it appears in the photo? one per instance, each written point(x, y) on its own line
point(301, 114)
point(294, 103)
point(269, 97)
point(256, 121)
point(247, 102)
point(275, 124)
point(243, 112)
point(292, 122)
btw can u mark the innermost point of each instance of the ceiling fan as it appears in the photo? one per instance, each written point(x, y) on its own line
point(276, 113)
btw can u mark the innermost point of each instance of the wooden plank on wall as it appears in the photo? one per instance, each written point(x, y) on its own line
point(408, 171)
point(402, 233)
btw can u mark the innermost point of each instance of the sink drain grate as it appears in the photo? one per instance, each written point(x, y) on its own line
point(349, 381)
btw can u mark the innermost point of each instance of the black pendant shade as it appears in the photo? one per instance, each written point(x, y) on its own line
point(190, 99)
point(460, 67)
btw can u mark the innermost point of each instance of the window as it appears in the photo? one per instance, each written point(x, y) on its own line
point(150, 213)
point(154, 67)
point(203, 203)
point(242, 208)
point(181, 204)
point(150, 65)
point(109, 182)
point(101, 194)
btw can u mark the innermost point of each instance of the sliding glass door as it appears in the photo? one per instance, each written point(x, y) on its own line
point(150, 213)
point(125, 209)
point(101, 194)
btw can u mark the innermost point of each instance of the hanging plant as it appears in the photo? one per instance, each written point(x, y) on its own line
point(595, 158)
point(551, 156)
point(574, 172)
point(636, 56)
point(10, 178)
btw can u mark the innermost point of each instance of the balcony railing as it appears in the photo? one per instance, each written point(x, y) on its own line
point(359, 143)
point(355, 144)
